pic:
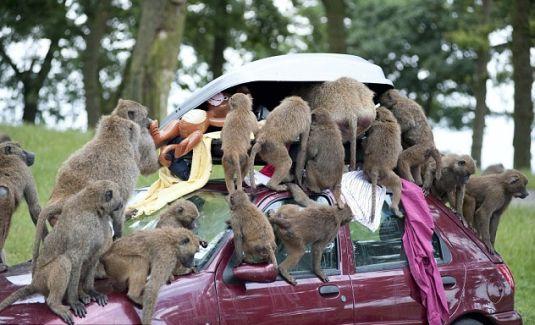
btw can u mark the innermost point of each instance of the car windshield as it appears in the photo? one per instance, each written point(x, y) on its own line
point(211, 225)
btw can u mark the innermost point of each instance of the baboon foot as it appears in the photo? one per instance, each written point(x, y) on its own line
point(100, 298)
point(137, 300)
point(63, 312)
point(278, 188)
point(322, 276)
point(3, 267)
point(84, 298)
point(426, 191)
point(78, 309)
point(397, 212)
point(290, 279)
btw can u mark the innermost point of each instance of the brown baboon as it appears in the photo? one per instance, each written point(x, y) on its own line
point(297, 227)
point(300, 197)
point(66, 265)
point(486, 199)
point(110, 155)
point(351, 106)
point(381, 153)
point(416, 135)
point(148, 157)
point(254, 240)
point(324, 156)
point(456, 170)
point(4, 137)
point(287, 121)
point(240, 122)
point(16, 182)
point(180, 214)
point(493, 169)
point(153, 252)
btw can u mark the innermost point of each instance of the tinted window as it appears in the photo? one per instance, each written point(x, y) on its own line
point(382, 247)
point(329, 259)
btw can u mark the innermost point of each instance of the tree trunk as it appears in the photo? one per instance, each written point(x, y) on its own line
point(155, 56)
point(523, 79)
point(335, 10)
point(97, 18)
point(220, 39)
point(480, 89)
point(31, 102)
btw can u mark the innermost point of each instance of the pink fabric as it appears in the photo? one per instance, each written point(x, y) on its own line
point(417, 238)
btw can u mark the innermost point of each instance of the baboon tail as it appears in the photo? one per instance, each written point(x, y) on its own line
point(19, 294)
point(438, 160)
point(301, 156)
point(254, 151)
point(373, 178)
point(299, 195)
point(236, 161)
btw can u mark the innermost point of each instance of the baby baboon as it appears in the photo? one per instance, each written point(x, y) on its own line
point(316, 225)
point(148, 157)
point(486, 199)
point(325, 155)
point(180, 214)
point(240, 122)
point(16, 182)
point(66, 265)
point(381, 153)
point(4, 137)
point(110, 155)
point(350, 104)
point(287, 121)
point(416, 136)
point(493, 169)
point(153, 252)
point(456, 170)
point(254, 240)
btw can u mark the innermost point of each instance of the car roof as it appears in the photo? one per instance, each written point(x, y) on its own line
point(302, 67)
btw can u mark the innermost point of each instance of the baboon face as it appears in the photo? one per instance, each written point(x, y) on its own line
point(237, 199)
point(188, 245)
point(516, 183)
point(108, 195)
point(185, 213)
point(320, 117)
point(240, 100)
point(14, 149)
point(133, 111)
point(389, 97)
point(384, 115)
point(464, 167)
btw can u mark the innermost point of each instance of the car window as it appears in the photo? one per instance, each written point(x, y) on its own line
point(329, 259)
point(383, 248)
point(211, 226)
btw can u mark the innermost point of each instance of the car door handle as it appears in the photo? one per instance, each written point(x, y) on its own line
point(329, 290)
point(448, 281)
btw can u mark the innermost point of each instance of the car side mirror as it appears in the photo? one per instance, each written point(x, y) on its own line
point(256, 272)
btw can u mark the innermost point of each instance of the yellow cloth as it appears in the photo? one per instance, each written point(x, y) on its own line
point(169, 188)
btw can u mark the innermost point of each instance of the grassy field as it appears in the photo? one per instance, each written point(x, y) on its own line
point(516, 236)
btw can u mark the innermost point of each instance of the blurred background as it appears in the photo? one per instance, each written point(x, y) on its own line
point(65, 63)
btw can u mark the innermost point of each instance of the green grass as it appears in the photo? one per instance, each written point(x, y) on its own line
point(515, 241)
point(516, 236)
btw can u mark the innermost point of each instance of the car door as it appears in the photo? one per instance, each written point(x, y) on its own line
point(384, 290)
point(309, 302)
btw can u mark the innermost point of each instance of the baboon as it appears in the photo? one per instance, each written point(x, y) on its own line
point(351, 106)
point(287, 121)
point(493, 169)
point(110, 155)
point(153, 252)
point(16, 182)
point(4, 137)
point(66, 265)
point(148, 161)
point(300, 197)
point(324, 156)
point(180, 214)
point(486, 199)
point(456, 170)
point(416, 136)
point(254, 240)
point(381, 153)
point(240, 122)
point(297, 227)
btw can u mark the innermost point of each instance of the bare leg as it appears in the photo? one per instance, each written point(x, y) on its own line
point(293, 258)
point(392, 181)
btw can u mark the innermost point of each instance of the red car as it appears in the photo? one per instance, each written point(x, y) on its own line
point(369, 278)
